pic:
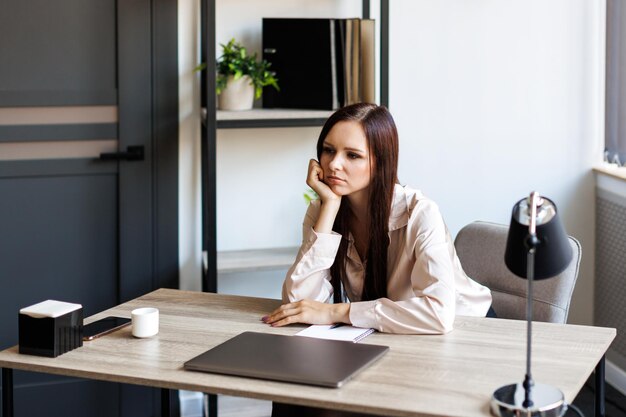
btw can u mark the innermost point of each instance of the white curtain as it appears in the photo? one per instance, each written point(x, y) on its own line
point(616, 82)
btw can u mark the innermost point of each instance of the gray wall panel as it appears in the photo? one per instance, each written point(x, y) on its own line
point(57, 98)
point(135, 111)
point(38, 133)
point(58, 241)
point(51, 56)
point(68, 212)
point(58, 167)
point(86, 397)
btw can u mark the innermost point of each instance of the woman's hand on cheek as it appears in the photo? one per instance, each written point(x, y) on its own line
point(309, 312)
point(315, 180)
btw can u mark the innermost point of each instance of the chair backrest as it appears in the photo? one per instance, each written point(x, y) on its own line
point(480, 247)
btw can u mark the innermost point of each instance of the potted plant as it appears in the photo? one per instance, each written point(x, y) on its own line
point(241, 77)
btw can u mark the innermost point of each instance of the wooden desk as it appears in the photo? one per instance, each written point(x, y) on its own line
point(447, 375)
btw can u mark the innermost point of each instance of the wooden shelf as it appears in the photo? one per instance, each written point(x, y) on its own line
point(256, 118)
point(255, 259)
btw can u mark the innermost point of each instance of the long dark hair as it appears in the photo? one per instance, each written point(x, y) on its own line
point(382, 141)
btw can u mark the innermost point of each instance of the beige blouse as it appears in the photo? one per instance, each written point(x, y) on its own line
point(426, 284)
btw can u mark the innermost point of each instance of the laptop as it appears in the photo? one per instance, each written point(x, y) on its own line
point(302, 360)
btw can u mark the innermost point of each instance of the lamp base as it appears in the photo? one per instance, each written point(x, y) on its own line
point(548, 401)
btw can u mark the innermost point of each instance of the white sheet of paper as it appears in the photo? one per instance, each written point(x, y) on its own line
point(335, 332)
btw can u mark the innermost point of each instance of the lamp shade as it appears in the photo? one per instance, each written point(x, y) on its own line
point(553, 251)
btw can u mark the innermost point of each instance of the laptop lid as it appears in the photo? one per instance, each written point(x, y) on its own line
point(303, 360)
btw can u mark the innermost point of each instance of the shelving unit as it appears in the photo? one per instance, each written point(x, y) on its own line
point(257, 118)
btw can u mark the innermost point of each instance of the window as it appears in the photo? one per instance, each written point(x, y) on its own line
point(615, 138)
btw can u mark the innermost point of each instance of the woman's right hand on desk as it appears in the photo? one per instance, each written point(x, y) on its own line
point(308, 312)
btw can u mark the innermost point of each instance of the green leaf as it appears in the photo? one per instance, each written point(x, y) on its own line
point(200, 67)
point(310, 195)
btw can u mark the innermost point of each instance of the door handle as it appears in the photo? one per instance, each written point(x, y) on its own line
point(133, 153)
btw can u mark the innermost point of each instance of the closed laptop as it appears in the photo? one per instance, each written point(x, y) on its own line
point(303, 360)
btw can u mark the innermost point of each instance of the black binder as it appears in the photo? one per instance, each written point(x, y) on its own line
point(308, 57)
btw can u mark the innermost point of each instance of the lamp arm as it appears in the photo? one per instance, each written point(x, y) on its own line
point(530, 274)
point(531, 243)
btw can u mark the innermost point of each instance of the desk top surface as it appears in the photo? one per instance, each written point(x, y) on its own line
point(444, 375)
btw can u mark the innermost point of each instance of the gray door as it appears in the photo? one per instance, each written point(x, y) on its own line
point(77, 80)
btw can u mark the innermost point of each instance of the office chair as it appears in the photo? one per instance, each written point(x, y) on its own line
point(480, 247)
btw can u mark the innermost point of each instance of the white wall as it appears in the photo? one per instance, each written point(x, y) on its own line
point(260, 184)
point(492, 99)
point(495, 99)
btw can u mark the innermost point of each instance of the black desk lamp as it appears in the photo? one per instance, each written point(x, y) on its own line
point(537, 247)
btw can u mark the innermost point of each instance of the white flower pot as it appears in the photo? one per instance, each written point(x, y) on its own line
point(238, 94)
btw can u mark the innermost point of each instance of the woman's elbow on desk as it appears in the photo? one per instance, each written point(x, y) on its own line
point(443, 319)
point(446, 325)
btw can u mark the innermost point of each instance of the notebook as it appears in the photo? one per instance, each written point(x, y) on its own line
point(302, 360)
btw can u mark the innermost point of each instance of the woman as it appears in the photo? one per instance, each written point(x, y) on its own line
point(379, 250)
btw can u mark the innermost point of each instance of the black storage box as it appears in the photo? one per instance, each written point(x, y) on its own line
point(50, 328)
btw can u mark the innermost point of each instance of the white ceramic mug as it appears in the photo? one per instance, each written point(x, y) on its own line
point(145, 321)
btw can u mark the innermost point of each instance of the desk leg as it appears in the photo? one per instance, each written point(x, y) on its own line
point(7, 392)
point(600, 389)
point(210, 405)
point(165, 402)
point(170, 407)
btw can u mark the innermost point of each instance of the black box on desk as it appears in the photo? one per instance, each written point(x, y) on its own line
point(50, 328)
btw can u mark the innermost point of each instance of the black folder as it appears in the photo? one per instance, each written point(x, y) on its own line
point(308, 57)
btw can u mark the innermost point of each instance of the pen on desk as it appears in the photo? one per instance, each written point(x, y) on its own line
point(334, 326)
